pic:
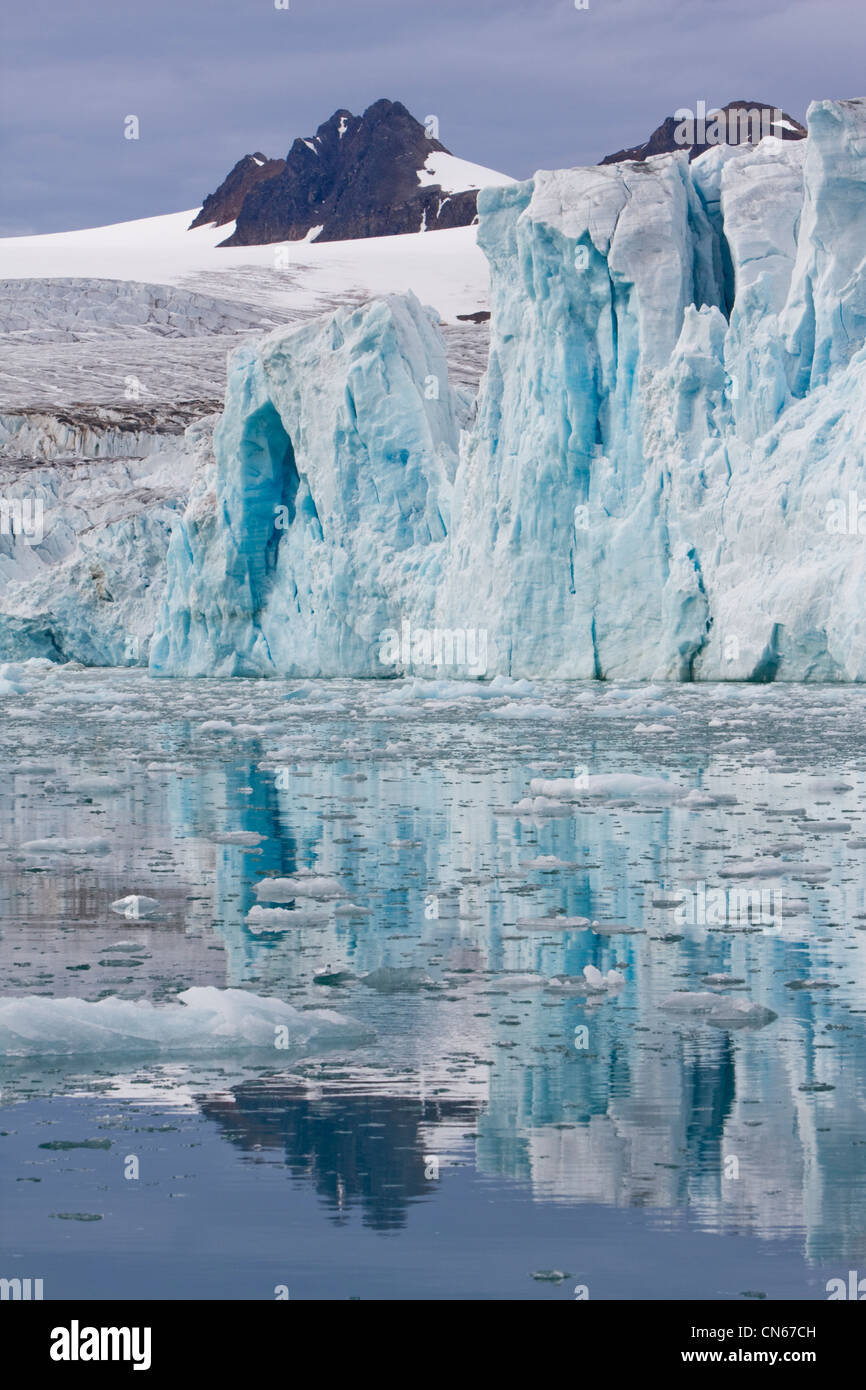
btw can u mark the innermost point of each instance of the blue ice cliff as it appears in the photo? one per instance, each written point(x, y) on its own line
point(327, 511)
point(662, 477)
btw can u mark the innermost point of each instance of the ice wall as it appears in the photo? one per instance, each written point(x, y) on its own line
point(325, 517)
point(669, 429)
point(658, 480)
point(673, 417)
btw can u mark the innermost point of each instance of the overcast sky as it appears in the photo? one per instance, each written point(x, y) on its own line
point(516, 84)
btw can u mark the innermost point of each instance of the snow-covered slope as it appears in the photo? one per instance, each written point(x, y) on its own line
point(447, 269)
point(454, 175)
point(109, 327)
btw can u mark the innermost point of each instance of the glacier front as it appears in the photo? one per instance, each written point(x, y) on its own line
point(658, 479)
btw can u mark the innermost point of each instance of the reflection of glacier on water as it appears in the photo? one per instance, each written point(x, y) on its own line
point(461, 840)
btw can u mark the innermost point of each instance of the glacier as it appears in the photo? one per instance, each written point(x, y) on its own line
point(326, 510)
point(658, 479)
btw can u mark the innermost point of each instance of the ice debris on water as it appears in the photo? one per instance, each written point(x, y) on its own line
point(283, 918)
point(303, 884)
point(56, 844)
point(136, 906)
point(718, 1009)
point(204, 1019)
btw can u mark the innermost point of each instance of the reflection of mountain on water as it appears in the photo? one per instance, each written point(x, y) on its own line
point(409, 806)
point(358, 1150)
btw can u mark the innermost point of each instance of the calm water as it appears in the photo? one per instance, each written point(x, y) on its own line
point(488, 1117)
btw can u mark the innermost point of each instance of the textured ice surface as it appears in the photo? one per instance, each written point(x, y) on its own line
point(720, 1010)
point(326, 514)
point(179, 303)
point(302, 885)
point(674, 397)
point(88, 588)
point(203, 1020)
point(658, 481)
point(672, 408)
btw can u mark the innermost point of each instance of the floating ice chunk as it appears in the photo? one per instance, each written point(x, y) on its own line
point(548, 863)
point(607, 786)
point(697, 799)
point(8, 687)
point(506, 685)
point(810, 984)
point(552, 923)
point(76, 845)
point(136, 906)
point(204, 1019)
point(767, 755)
point(719, 1009)
point(538, 711)
point(238, 837)
point(303, 884)
point(630, 703)
point(616, 929)
point(597, 981)
point(771, 867)
point(593, 984)
point(351, 910)
point(510, 982)
point(540, 806)
point(825, 827)
point(282, 918)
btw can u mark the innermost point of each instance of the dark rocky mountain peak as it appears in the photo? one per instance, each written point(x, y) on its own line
point(356, 177)
point(738, 123)
point(225, 204)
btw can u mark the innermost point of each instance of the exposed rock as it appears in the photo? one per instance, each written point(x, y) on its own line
point(357, 177)
point(736, 129)
point(225, 204)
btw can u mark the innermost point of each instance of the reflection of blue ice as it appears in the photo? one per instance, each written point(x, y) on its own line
point(411, 810)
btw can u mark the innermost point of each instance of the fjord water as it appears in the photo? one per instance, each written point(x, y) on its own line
point(486, 1116)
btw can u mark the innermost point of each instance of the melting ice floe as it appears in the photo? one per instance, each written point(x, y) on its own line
point(303, 884)
point(719, 1009)
point(204, 1019)
point(77, 844)
point(136, 906)
point(261, 919)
